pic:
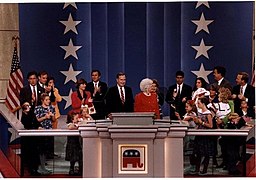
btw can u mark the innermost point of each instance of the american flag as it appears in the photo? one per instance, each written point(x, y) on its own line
point(15, 82)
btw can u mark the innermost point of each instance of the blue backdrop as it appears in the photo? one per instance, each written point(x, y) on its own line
point(142, 39)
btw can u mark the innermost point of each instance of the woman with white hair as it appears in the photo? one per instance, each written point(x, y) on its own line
point(145, 101)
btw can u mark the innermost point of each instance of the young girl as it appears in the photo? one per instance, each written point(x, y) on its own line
point(84, 114)
point(45, 114)
point(190, 113)
point(189, 140)
point(74, 145)
point(204, 145)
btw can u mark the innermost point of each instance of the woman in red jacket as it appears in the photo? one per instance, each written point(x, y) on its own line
point(145, 101)
point(80, 97)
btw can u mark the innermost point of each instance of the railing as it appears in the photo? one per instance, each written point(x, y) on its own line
point(57, 164)
point(13, 150)
point(243, 134)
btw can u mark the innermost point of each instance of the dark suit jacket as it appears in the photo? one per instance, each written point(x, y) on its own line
point(26, 95)
point(114, 103)
point(177, 102)
point(224, 83)
point(98, 99)
point(248, 93)
point(29, 120)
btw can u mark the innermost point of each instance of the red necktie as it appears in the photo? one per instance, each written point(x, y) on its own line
point(122, 95)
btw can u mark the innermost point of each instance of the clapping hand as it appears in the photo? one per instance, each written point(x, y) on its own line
point(90, 100)
point(241, 97)
point(47, 116)
point(174, 94)
point(234, 96)
point(184, 99)
point(33, 97)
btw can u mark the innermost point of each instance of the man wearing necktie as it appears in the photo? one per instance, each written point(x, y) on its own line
point(29, 98)
point(98, 90)
point(119, 98)
point(177, 95)
point(32, 92)
point(42, 78)
point(243, 92)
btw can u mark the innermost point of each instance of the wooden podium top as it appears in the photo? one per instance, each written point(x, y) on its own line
point(133, 118)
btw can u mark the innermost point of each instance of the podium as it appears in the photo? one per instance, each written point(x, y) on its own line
point(132, 147)
point(136, 118)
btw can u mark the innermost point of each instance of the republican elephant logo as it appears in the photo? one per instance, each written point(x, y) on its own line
point(132, 156)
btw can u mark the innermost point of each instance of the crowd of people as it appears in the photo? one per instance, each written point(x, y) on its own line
point(205, 106)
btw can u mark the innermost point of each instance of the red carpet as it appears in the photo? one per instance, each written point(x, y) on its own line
point(250, 167)
point(6, 168)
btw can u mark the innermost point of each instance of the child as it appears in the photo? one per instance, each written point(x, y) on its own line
point(74, 145)
point(84, 114)
point(204, 145)
point(190, 113)
point(189, 140)
point(245, 111)
point(223, 107)
point(45, 114)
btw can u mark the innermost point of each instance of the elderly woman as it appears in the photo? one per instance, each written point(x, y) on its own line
point(145, 101)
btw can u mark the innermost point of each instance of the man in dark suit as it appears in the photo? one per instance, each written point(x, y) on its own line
point(98, 90)
point(42, 78)
point(29, 98)
point(32, 92)
point(30, 95)
point(119, 98)
point(243, 92)
point(177, 95)
point(219, 73)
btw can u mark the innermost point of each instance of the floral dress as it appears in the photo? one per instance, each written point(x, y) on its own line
point(40, 111)
point(44, 141)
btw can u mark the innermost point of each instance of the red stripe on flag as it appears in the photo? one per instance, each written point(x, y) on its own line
point(15, 83)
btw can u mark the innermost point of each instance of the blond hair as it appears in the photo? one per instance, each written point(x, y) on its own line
point(224, 94)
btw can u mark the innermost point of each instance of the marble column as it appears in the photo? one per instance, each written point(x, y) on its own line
point(9, 27)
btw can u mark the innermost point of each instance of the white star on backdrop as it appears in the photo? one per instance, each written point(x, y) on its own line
point(70, 24)
point(202, 49)
point(14, 133)
point(71, 49)
point(202, 24)
point(202, 73)
point(68, 99)
point(70, 74)
point(199, 3)
point(67, 4)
